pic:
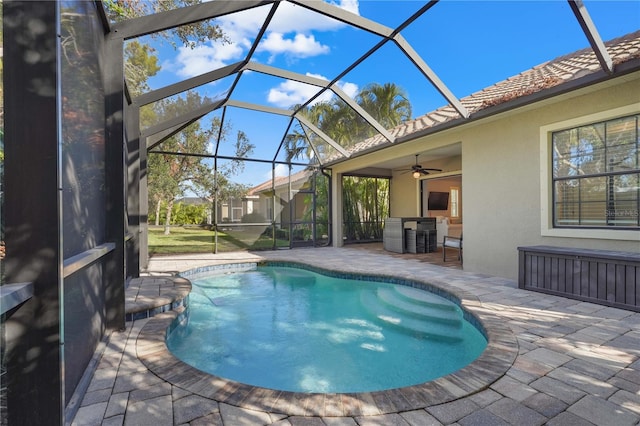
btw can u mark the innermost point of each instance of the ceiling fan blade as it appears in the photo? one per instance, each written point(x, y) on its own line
point(418, 168)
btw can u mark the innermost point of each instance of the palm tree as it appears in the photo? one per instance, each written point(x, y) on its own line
point(295, 145)
point(365, 199)
point(387, 103)
point(343, 125)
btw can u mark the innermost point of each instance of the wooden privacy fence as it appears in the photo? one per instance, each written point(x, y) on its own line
point(610, 278)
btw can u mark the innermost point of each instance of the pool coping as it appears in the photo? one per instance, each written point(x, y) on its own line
point(160, 294)
point(491, 365)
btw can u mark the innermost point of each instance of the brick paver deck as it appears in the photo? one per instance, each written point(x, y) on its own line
point(572, 362)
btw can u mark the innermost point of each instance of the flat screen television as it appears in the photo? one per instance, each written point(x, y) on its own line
point(438, 201)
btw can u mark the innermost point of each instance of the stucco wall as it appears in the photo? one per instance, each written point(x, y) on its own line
point(501, 193)
point(403, 195)
point(501, 176)
point(502, 185)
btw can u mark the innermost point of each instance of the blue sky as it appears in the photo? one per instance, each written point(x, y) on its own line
point(469, 44)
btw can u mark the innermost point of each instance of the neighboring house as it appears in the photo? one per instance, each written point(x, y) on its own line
point(260, 200)
point(231, 209)
point(286, 192)
point(531, 157)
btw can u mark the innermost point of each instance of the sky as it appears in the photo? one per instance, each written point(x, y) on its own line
point(469, 45)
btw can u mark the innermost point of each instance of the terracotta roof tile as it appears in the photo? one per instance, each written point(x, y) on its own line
point(279, 181)
point(542, 77)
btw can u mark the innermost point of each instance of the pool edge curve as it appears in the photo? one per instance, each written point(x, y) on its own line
point(491, 365)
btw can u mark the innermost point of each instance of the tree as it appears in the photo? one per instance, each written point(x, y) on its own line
point(365, 199)
point(210, 184)
point(295, 145)
point(243, 147)
point(387, 103)
point(171, 175)
point(342, 123)
point(140, 63)
point(189, 35)
point(366, 204)
point(160, 182)
point(165, 179)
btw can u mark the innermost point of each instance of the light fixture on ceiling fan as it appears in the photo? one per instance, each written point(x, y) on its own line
point(417, 170)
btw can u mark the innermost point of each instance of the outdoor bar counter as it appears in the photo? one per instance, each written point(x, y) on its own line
point(409, 234)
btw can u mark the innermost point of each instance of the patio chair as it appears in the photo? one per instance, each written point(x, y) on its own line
point(452, 242)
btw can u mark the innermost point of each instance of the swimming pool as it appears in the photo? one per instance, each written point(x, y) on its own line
point(297, 330)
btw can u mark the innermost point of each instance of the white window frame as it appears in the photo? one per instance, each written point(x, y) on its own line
point(454, 196)
point(546, 183)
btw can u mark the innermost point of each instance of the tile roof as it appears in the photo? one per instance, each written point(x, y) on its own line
point(279, 181)
point(537, 79)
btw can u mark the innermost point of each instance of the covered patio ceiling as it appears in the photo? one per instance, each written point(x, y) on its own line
point(242, 88)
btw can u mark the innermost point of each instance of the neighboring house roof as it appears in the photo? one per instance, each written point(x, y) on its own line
point(280, 181)
point(193, 200)
point(551, 74)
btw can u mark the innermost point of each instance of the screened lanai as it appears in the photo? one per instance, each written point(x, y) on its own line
point(267, 99)
point(275, 115)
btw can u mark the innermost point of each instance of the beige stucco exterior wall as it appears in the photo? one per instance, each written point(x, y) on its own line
point(501, 177)
point(501, 164)
point(403, 196)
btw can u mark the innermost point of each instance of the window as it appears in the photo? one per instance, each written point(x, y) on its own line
point(455, 209)
point(596, 175)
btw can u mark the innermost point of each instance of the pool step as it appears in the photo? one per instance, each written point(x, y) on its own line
point(444, 312)
point(425, 326)
point(423, 297)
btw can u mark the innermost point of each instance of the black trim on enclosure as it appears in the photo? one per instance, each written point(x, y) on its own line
point(35, 378)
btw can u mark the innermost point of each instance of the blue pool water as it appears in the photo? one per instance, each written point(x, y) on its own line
point(296, 330)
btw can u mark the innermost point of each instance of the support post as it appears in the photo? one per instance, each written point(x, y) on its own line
point(116, 178)
point(136, 166)
point(33, 330)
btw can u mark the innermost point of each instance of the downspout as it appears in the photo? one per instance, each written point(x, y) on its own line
point(60, 212)
point(273, 206)
point(216, 193)
point(290, 206)
point(329, 206)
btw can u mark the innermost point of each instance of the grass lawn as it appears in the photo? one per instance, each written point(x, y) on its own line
point(200, 240)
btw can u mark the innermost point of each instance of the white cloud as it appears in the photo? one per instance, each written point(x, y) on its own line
point(300, 46)
point(280, 170)
point(352, 6)
point(290, 92)
point(291, 18)
point(290, 34)
point(350, 89)
point(191, 62)
point(243, 24)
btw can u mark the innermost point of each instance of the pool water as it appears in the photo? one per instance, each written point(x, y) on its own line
point(296, 330)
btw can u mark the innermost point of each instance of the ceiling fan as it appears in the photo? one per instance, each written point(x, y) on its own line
point(417, 170)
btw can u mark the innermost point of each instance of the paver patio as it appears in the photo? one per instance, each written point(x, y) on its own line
point(577, 363)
